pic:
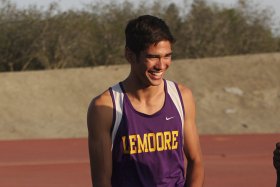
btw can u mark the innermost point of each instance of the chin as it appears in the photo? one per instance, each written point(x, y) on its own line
point(155, 82)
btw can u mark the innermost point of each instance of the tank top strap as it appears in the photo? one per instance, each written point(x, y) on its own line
point(173, 91)
point(117, 98)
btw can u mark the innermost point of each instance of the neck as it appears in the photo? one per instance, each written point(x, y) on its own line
point(139, 90)
point(144, 99)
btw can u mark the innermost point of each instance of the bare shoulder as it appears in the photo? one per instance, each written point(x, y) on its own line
point(186, 93)
point(103, 99)
point(188, 102)
point(100, 112)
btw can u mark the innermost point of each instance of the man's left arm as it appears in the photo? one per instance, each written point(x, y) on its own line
point(192, 149)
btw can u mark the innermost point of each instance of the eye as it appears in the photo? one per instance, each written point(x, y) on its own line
point(168, 56)
point(150, 56)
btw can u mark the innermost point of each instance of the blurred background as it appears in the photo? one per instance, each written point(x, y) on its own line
point(227, 52)
point(38, 35)
point(56, 56)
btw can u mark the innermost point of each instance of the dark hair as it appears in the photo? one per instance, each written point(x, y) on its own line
point(145, 30)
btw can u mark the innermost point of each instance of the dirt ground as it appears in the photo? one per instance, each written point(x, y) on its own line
point(234, 95)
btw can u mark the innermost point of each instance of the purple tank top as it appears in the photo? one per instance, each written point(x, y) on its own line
point(147, 150)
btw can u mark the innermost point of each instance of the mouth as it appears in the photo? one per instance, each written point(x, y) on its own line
point(156, 75)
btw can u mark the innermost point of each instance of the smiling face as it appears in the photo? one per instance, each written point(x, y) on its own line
point(149, 67)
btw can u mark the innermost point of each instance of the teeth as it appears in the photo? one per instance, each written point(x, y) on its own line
point(157, 73)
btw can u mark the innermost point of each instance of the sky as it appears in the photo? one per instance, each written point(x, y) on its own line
point(274, 5)
point(67, 4)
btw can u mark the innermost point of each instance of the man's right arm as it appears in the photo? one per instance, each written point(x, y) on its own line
point(99, 121)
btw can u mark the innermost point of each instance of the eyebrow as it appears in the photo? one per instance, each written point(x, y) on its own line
point(157, 56)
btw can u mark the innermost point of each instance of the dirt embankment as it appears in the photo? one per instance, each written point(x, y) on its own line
point(234, 95)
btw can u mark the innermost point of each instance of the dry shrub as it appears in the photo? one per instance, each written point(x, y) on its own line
point(35, 39)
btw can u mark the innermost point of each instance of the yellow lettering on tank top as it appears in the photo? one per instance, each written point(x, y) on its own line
point(150, 142)
point(125, 150)
point(167, 138)
point(174, 139)
point(132, 143)
point(142, 144)
point(160, 141)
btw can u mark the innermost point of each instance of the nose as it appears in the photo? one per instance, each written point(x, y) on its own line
point(160, 64)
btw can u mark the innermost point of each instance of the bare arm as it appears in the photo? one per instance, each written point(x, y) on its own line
point(195, 168)
point(276, 163)
point(99, 121)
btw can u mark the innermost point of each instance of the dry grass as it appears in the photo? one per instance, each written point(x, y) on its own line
point(239, 94)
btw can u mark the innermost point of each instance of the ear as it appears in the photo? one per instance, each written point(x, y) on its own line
point(130, 55)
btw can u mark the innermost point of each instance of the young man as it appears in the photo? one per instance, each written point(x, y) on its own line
point(142, 129)
point(276, 162)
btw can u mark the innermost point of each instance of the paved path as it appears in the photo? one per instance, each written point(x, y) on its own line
point(230, 161)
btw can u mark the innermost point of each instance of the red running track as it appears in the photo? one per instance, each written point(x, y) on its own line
point(230, 161)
